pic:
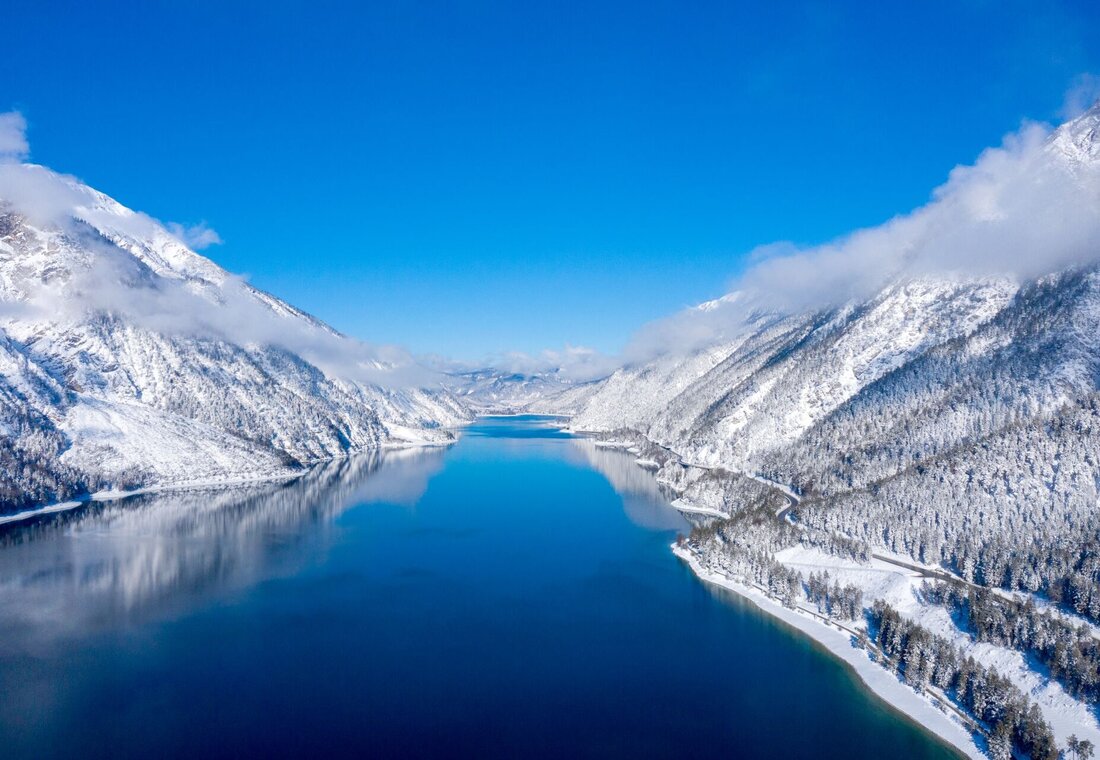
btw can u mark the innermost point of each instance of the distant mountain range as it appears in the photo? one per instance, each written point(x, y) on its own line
point(495, 391)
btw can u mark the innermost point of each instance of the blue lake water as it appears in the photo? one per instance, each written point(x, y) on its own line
point(511, 596)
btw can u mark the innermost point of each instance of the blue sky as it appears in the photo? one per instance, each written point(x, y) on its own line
point(472, 178)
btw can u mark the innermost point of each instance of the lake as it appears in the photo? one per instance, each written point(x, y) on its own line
point(512, 595)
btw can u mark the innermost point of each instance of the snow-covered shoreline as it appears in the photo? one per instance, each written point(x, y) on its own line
point(686, 506)
point(194, 485)
point(896, 580)
point(205, 484)
point(876, 678)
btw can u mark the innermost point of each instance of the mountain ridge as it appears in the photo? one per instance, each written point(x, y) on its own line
point(927, 446)
point(128, 360)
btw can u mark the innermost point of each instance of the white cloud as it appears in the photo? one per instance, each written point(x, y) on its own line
point(1026, 208)
point(194, 299)
point(13, 137)
point(196, 236)
point(572, 363)
point(1081, 96)
point(1023, 209)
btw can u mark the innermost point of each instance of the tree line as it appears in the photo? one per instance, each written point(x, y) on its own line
point(922, 658)
point(1070, 652)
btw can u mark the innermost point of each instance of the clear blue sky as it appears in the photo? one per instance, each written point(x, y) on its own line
point(467, 178)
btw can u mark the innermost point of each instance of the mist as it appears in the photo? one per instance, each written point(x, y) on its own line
point(1028, 207)
point(147, 274)
point(1022, 209)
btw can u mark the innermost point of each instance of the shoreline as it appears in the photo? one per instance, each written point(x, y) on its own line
point(212, 484)
point(880, 682)
point(897, 695)
point(209, 484)
point(683, 505)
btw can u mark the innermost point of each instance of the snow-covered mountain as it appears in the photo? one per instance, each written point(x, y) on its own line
point(498, 391)
point(918, 402)
point(944, 407)
point(127, 359)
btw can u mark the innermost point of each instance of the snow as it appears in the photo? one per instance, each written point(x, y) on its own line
point(882, 580)
point(46, 510)
point(98, 343)
point(731, 404)
point(885, 685)
point(946, 410)
point(684, 505)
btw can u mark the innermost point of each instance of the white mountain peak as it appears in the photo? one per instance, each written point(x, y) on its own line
point(1078, 140)
point(145, 363)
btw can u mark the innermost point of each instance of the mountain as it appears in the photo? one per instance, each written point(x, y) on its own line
point(128, 360)
point(497, 391)
point(943, 407)
point(940, 422)
point(935, 396)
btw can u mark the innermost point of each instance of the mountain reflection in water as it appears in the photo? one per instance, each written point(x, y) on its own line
point(124, 560)
point(512, 595)
point(128, 559)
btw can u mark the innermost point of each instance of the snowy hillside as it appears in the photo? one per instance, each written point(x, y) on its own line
point(128, 360)
point(940, 419)
point(935, 368)
point(731, 403)
point(497, 391)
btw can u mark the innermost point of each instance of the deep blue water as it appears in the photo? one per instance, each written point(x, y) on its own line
point(513, 595)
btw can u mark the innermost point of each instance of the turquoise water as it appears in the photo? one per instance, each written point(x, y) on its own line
point(513, 595)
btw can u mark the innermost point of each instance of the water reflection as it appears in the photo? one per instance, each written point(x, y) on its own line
point(127, 561)
point(514, 611)
point(122, 561)
point(518, 427)
point(645, 501)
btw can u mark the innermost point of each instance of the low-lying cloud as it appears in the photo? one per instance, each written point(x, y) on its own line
point(1026, 208)
point(576, 364)
point(196, 236)
point(147, 274)
point(570, 364)
point(13, 137)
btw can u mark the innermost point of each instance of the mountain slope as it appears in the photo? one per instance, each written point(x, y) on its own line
point(948, 416)
point(918, 461)
point(916, 377)
point(127, 359)
point(499, 391)
point(937, 419)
